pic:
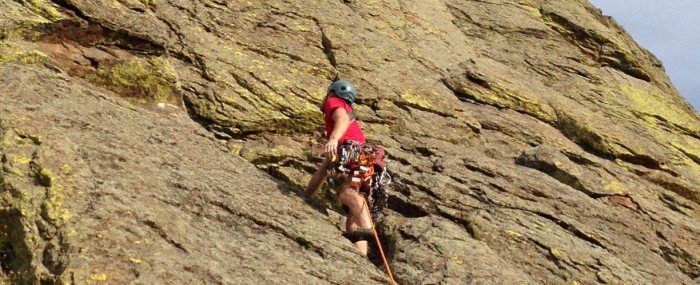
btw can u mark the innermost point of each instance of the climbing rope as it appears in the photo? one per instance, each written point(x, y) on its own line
point(379, 244)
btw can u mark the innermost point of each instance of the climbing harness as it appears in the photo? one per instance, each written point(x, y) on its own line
point(363, 165)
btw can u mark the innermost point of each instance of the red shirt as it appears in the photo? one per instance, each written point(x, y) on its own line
point(353, 132)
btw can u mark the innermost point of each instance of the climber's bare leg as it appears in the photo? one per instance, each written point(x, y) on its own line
point(357, 214)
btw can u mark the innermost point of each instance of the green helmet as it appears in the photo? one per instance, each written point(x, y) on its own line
point(344, 90)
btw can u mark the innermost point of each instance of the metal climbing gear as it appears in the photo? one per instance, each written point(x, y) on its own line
point(363, 165)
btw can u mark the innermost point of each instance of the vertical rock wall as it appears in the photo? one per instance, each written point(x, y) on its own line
point(531, 142)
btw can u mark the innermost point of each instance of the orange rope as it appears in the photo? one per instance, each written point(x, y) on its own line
point(379, 244)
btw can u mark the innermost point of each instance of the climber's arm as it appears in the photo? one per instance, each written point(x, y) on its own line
point(342, 122)
point(318, 177)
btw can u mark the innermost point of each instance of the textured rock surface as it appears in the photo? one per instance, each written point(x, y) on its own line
point(81, 207)
point(533, 142)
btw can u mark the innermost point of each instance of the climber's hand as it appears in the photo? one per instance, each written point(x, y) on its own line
point(331, 149)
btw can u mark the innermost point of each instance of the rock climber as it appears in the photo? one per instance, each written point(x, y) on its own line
point(343, 130)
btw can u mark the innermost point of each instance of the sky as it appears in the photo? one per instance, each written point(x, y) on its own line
point(670, 29)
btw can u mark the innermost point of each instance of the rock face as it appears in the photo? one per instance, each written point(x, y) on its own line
point(165, 142)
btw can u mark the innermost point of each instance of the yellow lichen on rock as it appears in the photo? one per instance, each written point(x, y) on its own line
point(53, 204)
point(148, 2)
point(99, 277)
point(416, 100)
point(72, 233)
point(65, 168)
point(143, 80)
point(666, 123)
point(44, 9)
point(616, 188)
point(513, 234)
point(648, 101)
point(581, 128)
point(532, 7)
point(556, 252)
point(504, 98)
point(20, 159)
point(11, 52)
